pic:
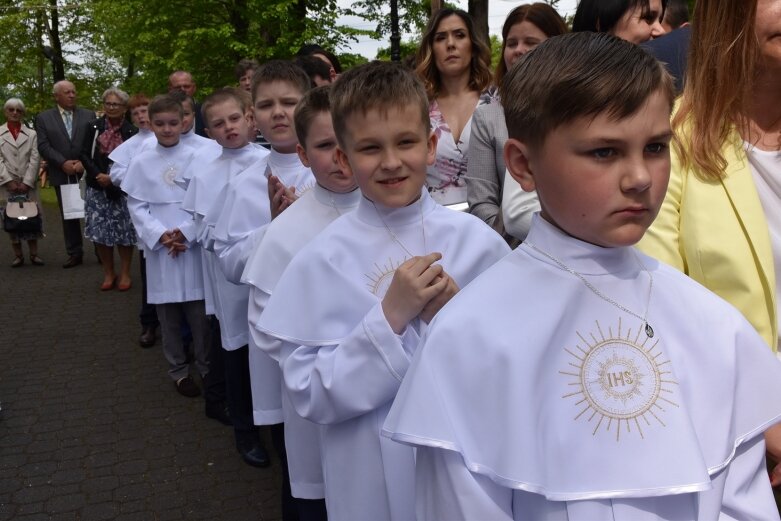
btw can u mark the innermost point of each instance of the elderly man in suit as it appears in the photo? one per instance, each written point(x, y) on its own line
point(61, 134)
point(183, 81)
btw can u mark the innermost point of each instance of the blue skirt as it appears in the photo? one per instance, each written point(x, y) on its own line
point(108, 221)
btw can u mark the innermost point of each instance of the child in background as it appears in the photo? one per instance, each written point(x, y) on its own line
point(228, 120)
point(354, 301)
point(335, 194)
point(578, 379)
point(167, 234)
point(246, 205)
point(276, 89)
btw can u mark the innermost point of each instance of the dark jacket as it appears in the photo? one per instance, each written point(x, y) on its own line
point(54, 144)
point(94, 161)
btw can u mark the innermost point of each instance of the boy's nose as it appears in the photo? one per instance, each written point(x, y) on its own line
point(390, 161)
point(637, 177)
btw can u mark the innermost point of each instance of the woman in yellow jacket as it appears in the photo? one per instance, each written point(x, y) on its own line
point(721, 220)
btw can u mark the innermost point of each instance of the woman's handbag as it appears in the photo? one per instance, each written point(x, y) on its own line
point(22, 217)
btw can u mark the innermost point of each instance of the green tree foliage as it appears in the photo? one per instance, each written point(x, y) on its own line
point(135, 44)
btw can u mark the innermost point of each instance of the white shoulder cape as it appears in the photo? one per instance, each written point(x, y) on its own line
point(291, 231)
point(542, 386)
point(338, 277)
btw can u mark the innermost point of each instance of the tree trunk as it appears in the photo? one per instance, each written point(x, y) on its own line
point(478, 10)
point(58, 63)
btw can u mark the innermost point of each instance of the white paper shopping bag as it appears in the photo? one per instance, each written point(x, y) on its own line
point(72, 202)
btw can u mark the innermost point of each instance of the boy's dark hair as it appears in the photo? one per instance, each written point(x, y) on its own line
point(314, 102)
point(677, 13)
point(595, 73)
point(280, 70)
point(221, 96)
point(182, 97)
point(601, 16)
point(243, 66)
point(376, 85)
point(310, 49)
point(314, 67)
point(165, 103)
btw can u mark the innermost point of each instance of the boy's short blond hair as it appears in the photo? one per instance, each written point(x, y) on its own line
point(239, 96)
point(314, 102)
point(578, 75)
point(376, 85)
point(280, 70)
point(165, 103)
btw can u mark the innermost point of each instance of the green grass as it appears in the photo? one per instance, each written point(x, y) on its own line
point(47, 195)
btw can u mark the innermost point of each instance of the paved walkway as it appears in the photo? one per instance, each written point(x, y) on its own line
point(91, 427)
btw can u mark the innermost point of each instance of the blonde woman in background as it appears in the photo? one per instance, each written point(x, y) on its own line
point(721, 220)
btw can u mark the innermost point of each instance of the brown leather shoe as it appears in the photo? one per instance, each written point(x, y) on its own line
point(148, 337)
point(187, 387)
point(73, 260)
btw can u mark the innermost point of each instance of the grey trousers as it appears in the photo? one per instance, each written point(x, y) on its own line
point(170, 316)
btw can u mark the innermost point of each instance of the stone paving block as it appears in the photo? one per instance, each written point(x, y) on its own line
point(100, 511)
point(66, 503)
point(32, 494)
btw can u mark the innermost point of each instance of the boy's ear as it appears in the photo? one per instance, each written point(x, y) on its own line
point(341, 160)
point(301, 151)
point(432, 148)
point(206, 129)
point(516, 159)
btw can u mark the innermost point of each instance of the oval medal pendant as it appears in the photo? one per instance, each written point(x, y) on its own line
point(649, 330)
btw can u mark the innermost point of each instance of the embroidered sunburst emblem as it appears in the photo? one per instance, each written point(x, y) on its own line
point(169, 175)
point(621, 381)
point(380, 278)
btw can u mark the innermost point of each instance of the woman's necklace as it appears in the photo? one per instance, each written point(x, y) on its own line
point(648, 329)
point(393, 235)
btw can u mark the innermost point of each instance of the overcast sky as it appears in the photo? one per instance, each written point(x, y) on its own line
point(497, 12)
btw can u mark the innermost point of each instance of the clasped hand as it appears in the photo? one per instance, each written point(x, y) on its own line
point(418, 288)
point(174, 240)
point(279, 195)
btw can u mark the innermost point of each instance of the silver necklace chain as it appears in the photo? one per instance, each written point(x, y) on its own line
point(644, 318)
point(393, 235)
point(333, 204)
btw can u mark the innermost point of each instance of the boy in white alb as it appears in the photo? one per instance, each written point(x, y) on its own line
point(175, 279)
point(229, 122)
point(591, 381)
point(335, 194)
point(276, 88)
point(246, 205)
point(355, 300)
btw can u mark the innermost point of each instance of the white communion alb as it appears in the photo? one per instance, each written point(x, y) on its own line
point(284, 238)
point(348, 363)
point(533, 397)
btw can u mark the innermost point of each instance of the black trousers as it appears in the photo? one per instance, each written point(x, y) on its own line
point(71, 230)
point(148, 314)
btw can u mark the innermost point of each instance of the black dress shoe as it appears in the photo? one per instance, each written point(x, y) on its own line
point(256, 456)
point(73, 260)
point(187, 387)
point(148, 337)
point(218, 411)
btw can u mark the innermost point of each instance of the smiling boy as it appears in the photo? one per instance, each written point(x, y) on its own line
point(606, 385)
point(354, 301)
